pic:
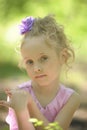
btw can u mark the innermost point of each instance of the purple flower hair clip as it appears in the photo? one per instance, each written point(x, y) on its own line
point(26, 25)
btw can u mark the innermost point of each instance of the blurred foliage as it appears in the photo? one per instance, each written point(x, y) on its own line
point(50, 126)
point(71, 13)
point(3, 126)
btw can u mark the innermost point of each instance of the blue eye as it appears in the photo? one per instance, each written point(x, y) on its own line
point(29, 62)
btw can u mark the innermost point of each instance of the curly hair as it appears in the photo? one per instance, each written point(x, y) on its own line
point(52, 31)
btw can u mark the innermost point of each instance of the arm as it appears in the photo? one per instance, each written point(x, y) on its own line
point(19, 120)
point(18, 117)
point(23, 120)
point(64, 117)
point(35, 113)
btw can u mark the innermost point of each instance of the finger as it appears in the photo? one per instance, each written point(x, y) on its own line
point(5, 103)
point(8, 92)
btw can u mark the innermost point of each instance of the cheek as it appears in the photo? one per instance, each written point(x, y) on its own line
point(29, 71)
point(46, 67)
point(56, 67)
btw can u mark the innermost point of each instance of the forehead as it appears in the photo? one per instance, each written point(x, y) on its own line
point(36, 45)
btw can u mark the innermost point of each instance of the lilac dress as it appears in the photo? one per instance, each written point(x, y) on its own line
point(50, 111)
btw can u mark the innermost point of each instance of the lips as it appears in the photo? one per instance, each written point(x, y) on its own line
point(40, 76)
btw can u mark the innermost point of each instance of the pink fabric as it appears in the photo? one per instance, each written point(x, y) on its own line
point(11, 120)
point(50, 111)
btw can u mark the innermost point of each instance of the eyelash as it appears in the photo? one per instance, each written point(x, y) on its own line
point(42, 59)
point(30, 62)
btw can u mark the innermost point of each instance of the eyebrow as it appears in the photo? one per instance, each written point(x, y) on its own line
point(25, 58)
point(42, 53)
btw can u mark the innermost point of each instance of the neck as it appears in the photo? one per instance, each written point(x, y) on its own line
point(51, 88)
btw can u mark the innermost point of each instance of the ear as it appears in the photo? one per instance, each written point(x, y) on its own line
point(64, 56)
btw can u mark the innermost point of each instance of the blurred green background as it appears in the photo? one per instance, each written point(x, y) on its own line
point(70, 13)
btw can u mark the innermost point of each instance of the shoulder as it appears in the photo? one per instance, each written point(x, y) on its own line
point(75, 99)
point(72, 105)
point(73, 102)
point(64, 94)
point(66, 89)
point(65, 115)
point(71, 94)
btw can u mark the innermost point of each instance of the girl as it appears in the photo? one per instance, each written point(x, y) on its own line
point(45, 50)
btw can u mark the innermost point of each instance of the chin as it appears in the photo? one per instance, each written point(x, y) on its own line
point(43, 84)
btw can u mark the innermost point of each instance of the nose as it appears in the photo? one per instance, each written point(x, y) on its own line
point(37, 68)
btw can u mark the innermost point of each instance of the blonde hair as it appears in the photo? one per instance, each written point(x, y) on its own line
point(52, 31)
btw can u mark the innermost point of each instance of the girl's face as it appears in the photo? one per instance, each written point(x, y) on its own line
point(42, 63)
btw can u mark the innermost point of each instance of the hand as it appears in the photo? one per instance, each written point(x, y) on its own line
point(3, 98)
point(3, 108)
point(18, 99)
